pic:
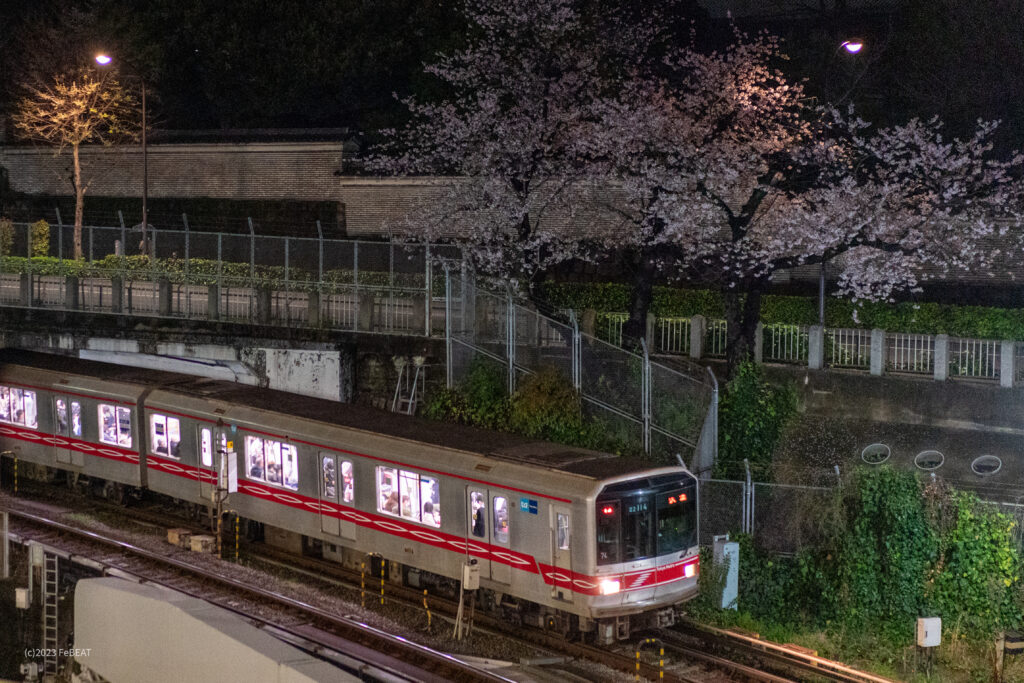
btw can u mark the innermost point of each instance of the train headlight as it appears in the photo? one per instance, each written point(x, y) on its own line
point(610, 587)
point(690, 570)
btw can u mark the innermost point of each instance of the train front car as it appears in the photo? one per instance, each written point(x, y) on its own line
point(646, 551)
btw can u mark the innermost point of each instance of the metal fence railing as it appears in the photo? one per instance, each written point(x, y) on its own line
point(910, 353)
point(716, 338)
point(785, 343)
point(977, 358)
point(673, 335)
point(848, 348)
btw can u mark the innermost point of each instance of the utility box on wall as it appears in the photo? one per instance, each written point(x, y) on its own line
point(929, 631)
point(727, 558)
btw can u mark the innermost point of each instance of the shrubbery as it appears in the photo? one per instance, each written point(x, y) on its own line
point(751, 417)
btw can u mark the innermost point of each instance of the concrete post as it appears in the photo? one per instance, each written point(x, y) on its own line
point(213, 302)
point(588, 323)
point(26, 289)
point(163, 305)
point(263, 307)
point(313, 308)
point(1007, 358)
point(117, 294)
point(698, 326)
point(71, 293)
point(816, 347)
point(941, 356)
point(759, 343)
point(877, 351)
point(652, 325)
point(364, 316)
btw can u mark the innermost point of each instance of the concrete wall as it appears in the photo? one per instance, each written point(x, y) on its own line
point(265, 170)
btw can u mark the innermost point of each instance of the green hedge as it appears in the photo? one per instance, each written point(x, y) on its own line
point(919, 318)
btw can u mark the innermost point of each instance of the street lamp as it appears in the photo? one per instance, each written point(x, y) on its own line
point(103, 60)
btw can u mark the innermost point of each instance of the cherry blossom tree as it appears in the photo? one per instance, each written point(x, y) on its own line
point(506, 139)
point(729, 177)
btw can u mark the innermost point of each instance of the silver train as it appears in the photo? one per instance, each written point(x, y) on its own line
point(582, 542)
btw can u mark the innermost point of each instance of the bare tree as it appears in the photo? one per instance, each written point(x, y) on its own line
point(73, 109)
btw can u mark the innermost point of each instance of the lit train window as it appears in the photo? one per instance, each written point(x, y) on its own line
point(165, 435)
point(206, 446)
point(115, 425)
point(501, 519)
point(608, 524)
point(330, 477)
point(272, 461)
point(409, 495)
point(478, 506)
point(347, 482)
point(62, 416)
point(76, 418)
point(18, 406)
point(563, 531)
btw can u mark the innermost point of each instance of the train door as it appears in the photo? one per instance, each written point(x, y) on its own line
point(68, 423)
point(561, 538)
point(337, 486)
point(207, 473)
point(500, 571)
point(478, 531)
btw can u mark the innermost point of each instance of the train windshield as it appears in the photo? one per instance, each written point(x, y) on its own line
point(646, 518)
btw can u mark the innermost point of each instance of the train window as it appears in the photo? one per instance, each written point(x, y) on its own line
point(18, 406)
point(165, 435)
point(115, 425)
point(408, 494)
point(430, 505)
point(272, 461)
point(76, 418)
point(563, 531)
point(478, 505)
point(206, 447)
point(677, 521)
point(637, 539)
point(501, 519)
point(62, 416)
point(608, 523)
point(329, 477)
point(387, 490)
point(272, 453)
point(347, 482)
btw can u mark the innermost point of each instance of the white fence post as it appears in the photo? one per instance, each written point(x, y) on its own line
point(877, 351)
point(1006, 362)
point(816, 347)
point(941, 355)
point(698, 325)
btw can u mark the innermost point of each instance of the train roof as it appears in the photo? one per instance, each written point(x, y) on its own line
point(492, 444)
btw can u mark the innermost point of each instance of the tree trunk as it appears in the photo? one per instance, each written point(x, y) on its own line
point(79, 202)
point(742, 314)
point(640, 296)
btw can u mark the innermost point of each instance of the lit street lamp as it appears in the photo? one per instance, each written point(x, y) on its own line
point(103, 60)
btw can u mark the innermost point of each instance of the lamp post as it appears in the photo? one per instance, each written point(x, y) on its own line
point(103, 60)
point(852, 47)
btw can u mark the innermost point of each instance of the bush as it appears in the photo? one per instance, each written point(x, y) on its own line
point(6, 236)
point(40, 236)
point(751, 417)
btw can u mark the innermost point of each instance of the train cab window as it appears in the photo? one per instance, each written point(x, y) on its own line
point(677, 521)
point(115, 425)
point(608, 523)
point(165, 435)
point(18, 406)
point(478, 506)
point(500, 508)
point(272, 461)
point(409, 495)
point(637, 536)
point(563, 531)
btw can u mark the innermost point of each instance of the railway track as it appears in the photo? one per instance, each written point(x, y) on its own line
point(694, 653)
point(360, 645)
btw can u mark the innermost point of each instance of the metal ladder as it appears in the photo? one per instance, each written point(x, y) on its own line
point(50, 615)
point(407, 387)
